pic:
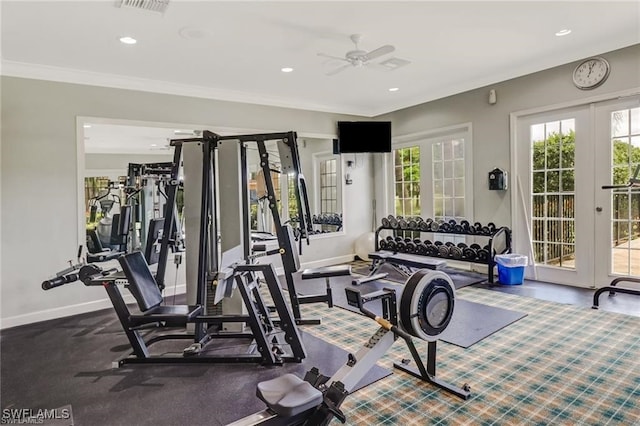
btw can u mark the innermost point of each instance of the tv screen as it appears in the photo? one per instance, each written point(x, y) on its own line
point(364, 136)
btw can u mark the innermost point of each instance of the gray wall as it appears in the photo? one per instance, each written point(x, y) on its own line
point(491, 122)
point(39, 163)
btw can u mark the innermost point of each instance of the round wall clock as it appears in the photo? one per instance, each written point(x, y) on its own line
point(591, 73)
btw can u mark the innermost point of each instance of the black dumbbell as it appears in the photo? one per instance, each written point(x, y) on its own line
point(443, 250)
point(445, 227)
point(483, 255)
point(462, 245)
point(465, 225)
point(385, 223)
point(424, 226)
point(412, 224)
point(393, 222)
point(421, 249)
point(468, 253)
point(410, 246)
point(432, 250)
point(434, 226)
point(492, 227)
point(383, 245)
point(402, 223)
point(477, 227)
point(401, 246)
point(455, 252)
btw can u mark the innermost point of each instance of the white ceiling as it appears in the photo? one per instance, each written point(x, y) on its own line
point(235, 50)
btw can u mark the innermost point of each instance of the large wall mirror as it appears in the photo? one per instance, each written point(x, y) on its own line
point(127, 165)
point(323, 177)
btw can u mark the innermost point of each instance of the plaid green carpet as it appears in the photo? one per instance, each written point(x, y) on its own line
point(561, 365)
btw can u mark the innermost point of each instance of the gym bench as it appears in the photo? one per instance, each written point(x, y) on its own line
point(402, 263)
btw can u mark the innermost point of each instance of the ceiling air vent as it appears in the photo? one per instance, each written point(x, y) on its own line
point(158, 6)
point(394, 63)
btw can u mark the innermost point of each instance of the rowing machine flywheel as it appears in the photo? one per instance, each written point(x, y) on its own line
point(427, 303)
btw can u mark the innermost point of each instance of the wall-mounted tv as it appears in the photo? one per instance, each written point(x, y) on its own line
point(364, 136)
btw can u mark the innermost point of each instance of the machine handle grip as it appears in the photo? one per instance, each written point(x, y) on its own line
point(58, 281)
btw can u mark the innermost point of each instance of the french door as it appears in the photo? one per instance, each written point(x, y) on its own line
point(575, 232)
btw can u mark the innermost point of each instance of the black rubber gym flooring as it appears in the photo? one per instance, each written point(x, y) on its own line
point(67, 361)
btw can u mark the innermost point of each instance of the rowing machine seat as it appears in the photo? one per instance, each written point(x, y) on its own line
point(289, 395)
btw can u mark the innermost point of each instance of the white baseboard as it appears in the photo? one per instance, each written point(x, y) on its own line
point(65, 311)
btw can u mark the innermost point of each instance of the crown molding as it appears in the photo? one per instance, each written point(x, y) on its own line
point(91, 78)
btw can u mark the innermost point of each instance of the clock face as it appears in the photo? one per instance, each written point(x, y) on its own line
point(591, 73)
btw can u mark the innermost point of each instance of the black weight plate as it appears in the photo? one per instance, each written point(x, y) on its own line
point(386, 223)
point(401, 239)
point(390, 238)
point(410, 247)
point(427, 242)
point(485, 230)
point(391, 245)
point(412, 224)
point(453, 222)
point(402, 223)
point(432, 250)
point(393, 222)
point(477, 226)
point(462, 246)
point(417, 241)
point(419, 219)
point(424, 226)
point(421, 249)
point(401, 246)
point(483, 255)
point(449, 244)
point(458, 229)
point(469, 253)
point(438, 243)
point(429, 220)
point(443, 251)
point(384, 245)
point(465, 225)
point(445, 227)
point(455, 252)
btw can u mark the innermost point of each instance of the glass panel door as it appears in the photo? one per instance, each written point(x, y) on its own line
point(556, 196)
point(618, 222)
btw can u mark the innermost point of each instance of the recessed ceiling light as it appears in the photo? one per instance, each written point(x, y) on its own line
point(394, 89)
point(563, 32)
point(154, 144)
point(286, 69)
point(86, 126)
point(128, 40)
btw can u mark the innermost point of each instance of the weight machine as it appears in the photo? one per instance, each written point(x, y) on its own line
point(426, 308)
point(209, 256)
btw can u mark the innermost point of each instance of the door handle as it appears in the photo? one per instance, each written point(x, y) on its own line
point(598, 209)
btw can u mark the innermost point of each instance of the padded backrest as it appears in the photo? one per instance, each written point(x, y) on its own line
point(289, 245)
point(141, 282)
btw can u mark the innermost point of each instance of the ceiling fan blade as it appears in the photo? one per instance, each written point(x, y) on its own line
point(379, 52)
point(339, 69)
point(332, 57)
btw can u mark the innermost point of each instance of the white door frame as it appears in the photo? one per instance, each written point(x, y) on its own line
point(516, 195)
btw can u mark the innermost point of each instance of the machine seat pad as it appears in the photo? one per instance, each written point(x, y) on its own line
point(326, 272)
point(411, 260)
point(169, 313)
point(289, 395)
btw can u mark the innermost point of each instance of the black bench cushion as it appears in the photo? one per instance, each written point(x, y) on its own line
point(141, 282)
point(288, 395)
point(412, 260)
point(326, 272)
point(172, 314)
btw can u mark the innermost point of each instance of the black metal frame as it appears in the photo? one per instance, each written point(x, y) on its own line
point(288, 259)
point(613, 289)
point(490, 264)
point(267, 344)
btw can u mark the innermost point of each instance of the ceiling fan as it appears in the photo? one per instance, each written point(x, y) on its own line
point(357, 57)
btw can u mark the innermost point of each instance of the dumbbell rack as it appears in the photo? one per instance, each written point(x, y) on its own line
point(491, 237)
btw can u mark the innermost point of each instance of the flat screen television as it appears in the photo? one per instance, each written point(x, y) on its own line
point(364, 136)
